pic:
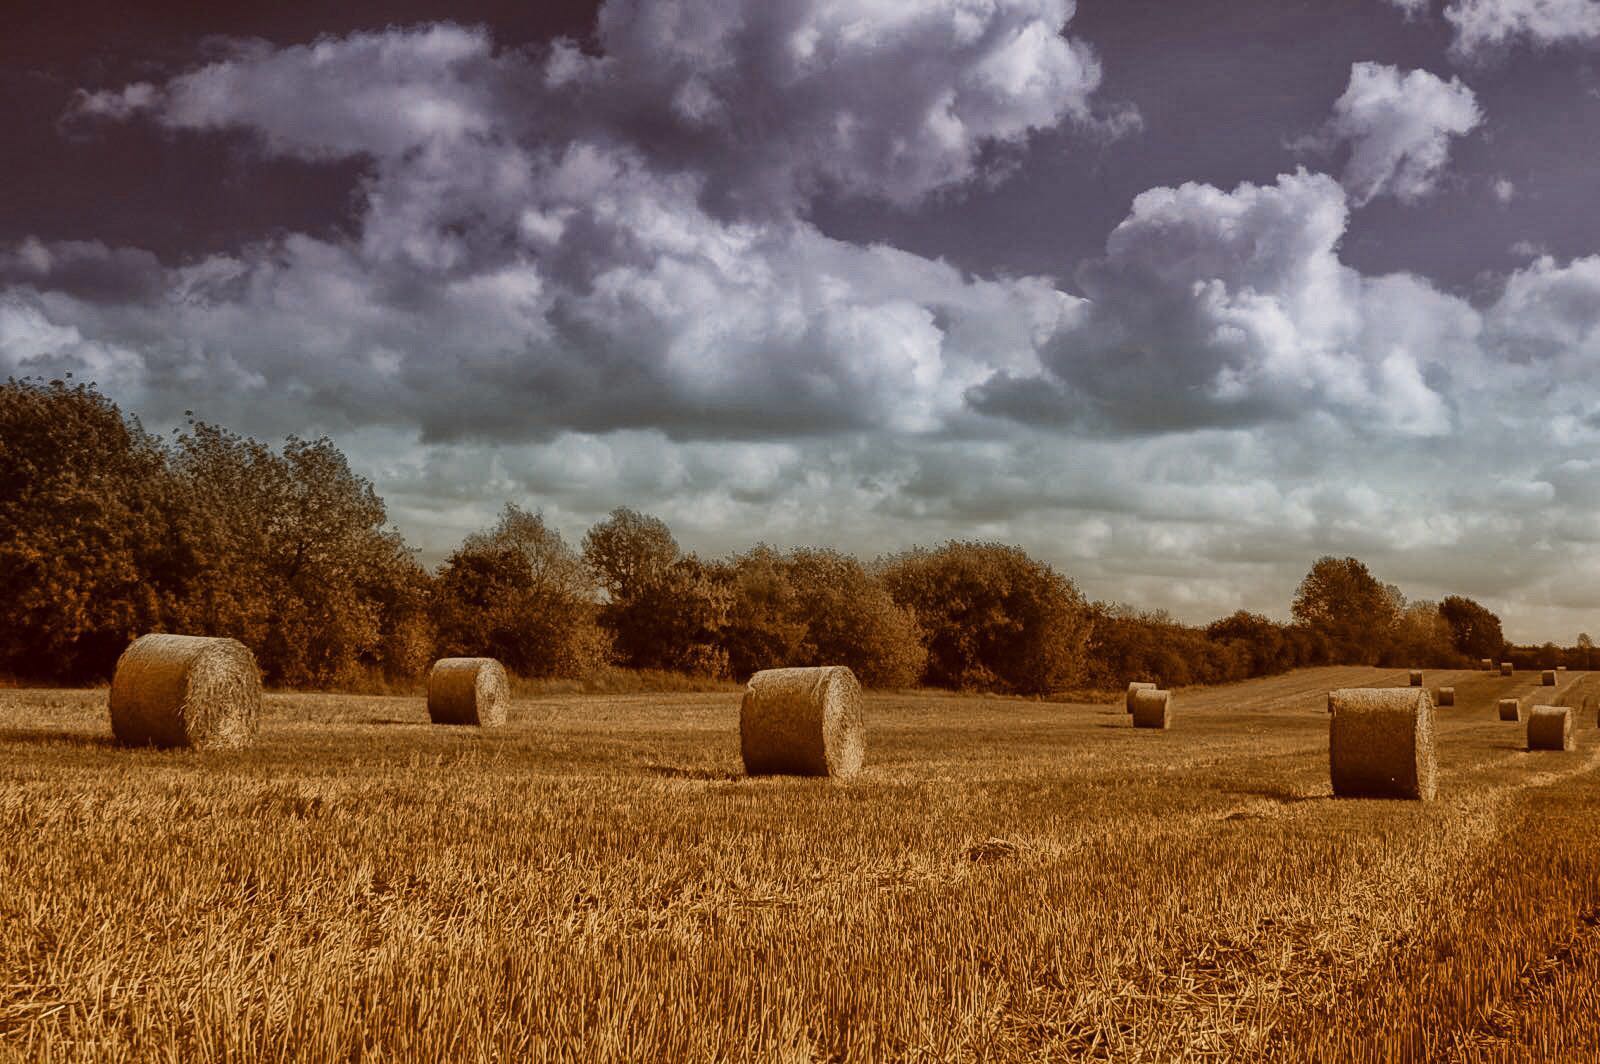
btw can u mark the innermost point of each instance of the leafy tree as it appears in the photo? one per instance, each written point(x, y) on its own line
point(764, 627)
point(1474, 630)
point(84, 509)
point(674, 620)
point(629, 551)
point(1421, 637)
point(290, 553)
point(992, 617)
point(851, 619)
point(518, 593)
point(1344, 604)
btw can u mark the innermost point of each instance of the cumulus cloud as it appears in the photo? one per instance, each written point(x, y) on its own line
point(1411, 8)
point(1398, 128)
point(1483, 26)
point(1238, 305)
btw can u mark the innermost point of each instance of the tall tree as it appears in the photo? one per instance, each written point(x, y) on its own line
point(84, 509)
point(628, 551)
point(1474, 630)
point(518, 593)
point(1341, 601)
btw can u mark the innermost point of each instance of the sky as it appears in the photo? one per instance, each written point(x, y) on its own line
point(1178, 296)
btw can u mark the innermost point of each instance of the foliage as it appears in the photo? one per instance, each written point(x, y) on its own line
point(1345, 604)
point(1474, 630)
point(992, 617)
point(518, 593)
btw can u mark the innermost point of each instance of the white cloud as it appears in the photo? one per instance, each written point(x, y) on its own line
point(1398, 126)
point(1504, 190)
point(1486, 25)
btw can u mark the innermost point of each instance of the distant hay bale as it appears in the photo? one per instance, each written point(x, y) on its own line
point(1380, 743)
point(1416, 677)
point(1548, 678)
point(1549, 728)
point(803, 722)
point(1561, 668)
point(1152, 709)
point(1505, 668)
point(1511, 709)
point(1487, 664)
point(186, 690)
point(1137, 686)
point(1447, 696)
point(468, 691)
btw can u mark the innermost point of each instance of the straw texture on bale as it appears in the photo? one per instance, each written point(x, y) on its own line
point(186, 690)
point(468, 691)
point(1152, 709)
point(1487, 664)
point(1511, 709)
point(1505, 668)
point(1380, 743)
point(1137, 686)
point(1548, 678)
point(1416, 677)
point(1447, 696)
point(803, 722)
point(1549, 728)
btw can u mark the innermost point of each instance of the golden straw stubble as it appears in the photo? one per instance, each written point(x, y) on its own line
point(186, 691)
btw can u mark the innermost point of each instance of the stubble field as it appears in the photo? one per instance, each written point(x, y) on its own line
point(1008, 880)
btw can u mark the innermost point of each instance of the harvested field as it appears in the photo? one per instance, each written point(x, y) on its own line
point(597, 880)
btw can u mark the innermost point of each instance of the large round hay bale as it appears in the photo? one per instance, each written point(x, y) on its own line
point(1511, 709)
point(1380, 743)
point(1447, 696)
point(1549, 728)
point(468, 691)
point(1152, 709)
point(803, 722)
point(1137, 686)
point(186, 690)
point(1416, 677)
point(1505, 668)
point(1487, 664)
point(1548, 678)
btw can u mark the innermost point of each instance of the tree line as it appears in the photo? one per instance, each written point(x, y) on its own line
point(108, 531)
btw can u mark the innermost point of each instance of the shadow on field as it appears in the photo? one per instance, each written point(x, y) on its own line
point(1280, 795)
point(51, 737)
point(681, 772)
point(389, 722)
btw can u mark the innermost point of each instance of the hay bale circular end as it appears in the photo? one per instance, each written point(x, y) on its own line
point(1511, 709)
point(468, 691)
point(1447, 696)
point(1380, 743)
point(1550, 728)
point(1416, 677)
point(1505, 668)
point(803, 722)
point(1152, 709)
point(1548, 678)
point(1137, 686)
point(186, 691)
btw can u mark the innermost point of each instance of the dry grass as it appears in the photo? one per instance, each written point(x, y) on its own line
point(597, 881)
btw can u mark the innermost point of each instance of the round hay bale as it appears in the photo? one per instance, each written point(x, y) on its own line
point(1561, 668)
point(1447, 696)
point(1548, 678)
point(1152, 709)
point(468, 691)
point(1137, 686)
point(803, 722)
point(186, 690)
point(1505, 668)
point(1549, 728)
point(1487, 664)
point(1416, 677)
point(1380, 743)
point(1511, 709)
